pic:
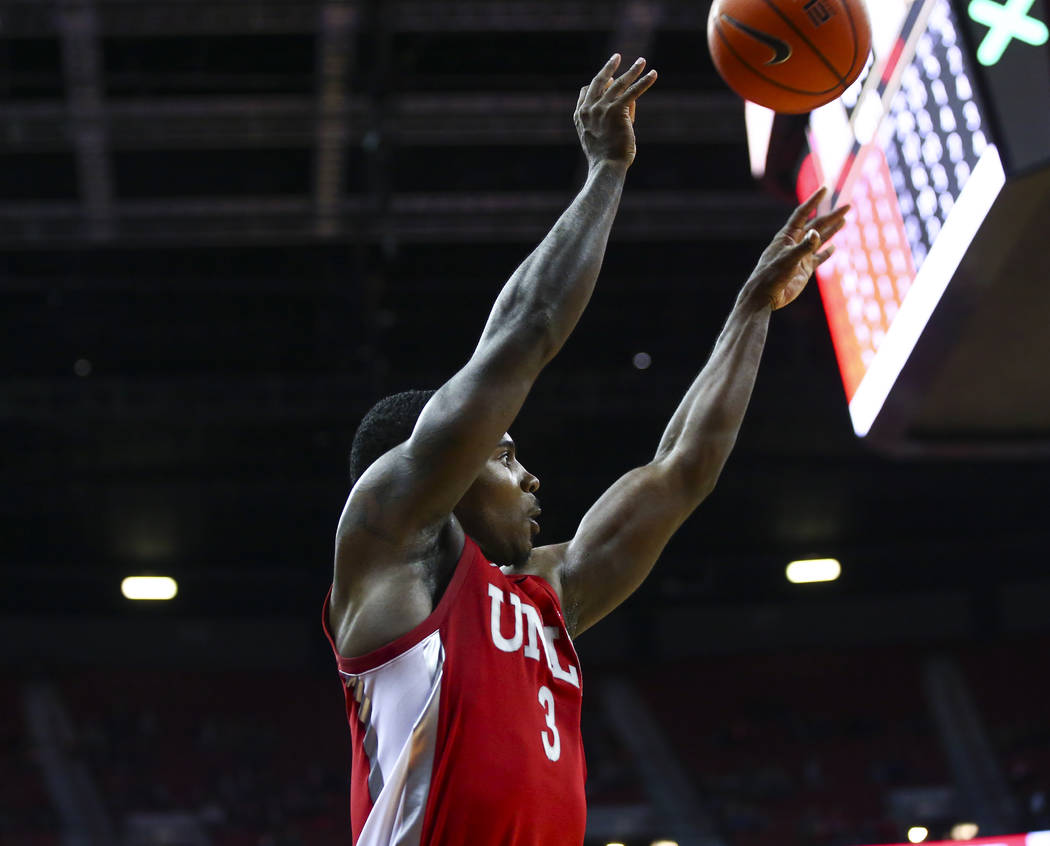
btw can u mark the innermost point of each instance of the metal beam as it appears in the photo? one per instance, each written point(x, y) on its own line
point(32, 19)
point(288, 121)
point(411, 218)
point(212, 400)
point(337, 40)
point(82, 66)
point(507, 16)
point(274, 398)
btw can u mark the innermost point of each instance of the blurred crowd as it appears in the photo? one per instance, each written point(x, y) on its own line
point(781, 750)
point(246, 770)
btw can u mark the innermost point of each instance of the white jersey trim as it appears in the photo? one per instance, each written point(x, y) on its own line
point(398, 707)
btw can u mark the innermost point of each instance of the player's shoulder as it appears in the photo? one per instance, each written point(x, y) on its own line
point(547, 563)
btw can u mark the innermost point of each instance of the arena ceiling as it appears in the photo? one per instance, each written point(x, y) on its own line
point(227, 227)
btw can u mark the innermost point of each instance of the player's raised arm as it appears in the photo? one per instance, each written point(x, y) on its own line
point(623, 533)
point(417, 484)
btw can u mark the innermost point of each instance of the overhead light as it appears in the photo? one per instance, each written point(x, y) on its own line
point(964, 831)
point(663, 843)
point(149, 587)
point(917, 833)
point(813, 570)
point(759, 123)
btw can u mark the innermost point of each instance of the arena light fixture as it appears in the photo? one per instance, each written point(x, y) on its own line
point(663, 843)
point(918, 833)
point(964, 831)
point(813, 570)
point(759, 122)
point(149, 587)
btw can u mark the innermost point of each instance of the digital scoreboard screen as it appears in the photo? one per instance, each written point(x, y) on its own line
point(955, 100)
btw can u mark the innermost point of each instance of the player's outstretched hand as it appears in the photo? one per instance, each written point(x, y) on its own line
point(605, 111)
point(787, 263)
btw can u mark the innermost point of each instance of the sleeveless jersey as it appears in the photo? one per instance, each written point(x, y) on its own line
point(466, 730)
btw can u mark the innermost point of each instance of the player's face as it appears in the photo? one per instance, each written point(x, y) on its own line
point(500, 509)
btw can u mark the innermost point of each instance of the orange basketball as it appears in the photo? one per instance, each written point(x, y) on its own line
point(789, 55)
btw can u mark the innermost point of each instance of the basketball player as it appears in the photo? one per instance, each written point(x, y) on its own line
point(453, 635)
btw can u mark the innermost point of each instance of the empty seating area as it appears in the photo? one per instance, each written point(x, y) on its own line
point(26, 815)
point(612, 776)
point(800, 748)
point(261, 757)
point(1012, 692)
point(782, 748)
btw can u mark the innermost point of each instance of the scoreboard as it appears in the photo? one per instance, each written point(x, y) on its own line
point(942, 147)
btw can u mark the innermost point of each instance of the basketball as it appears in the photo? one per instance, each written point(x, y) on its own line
point(790, 56)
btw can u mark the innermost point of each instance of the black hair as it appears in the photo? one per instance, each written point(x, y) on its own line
point(388, 423)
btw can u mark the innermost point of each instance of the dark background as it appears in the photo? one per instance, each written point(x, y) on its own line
point(227, 228)
point(248, 221)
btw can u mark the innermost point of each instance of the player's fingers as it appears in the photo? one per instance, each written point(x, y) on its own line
point(801, 214)
point(823, 255)
point(603, 77)
point(828, 225)
point(583, 93)
point(627, 77)
point(838, 211)
point(832, 218)
point(639, 88)
point(809, 242)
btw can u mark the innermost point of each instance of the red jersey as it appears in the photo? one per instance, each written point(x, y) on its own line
point(466, 730)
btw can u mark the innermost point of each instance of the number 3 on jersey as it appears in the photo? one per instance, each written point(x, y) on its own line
point(551, 746)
